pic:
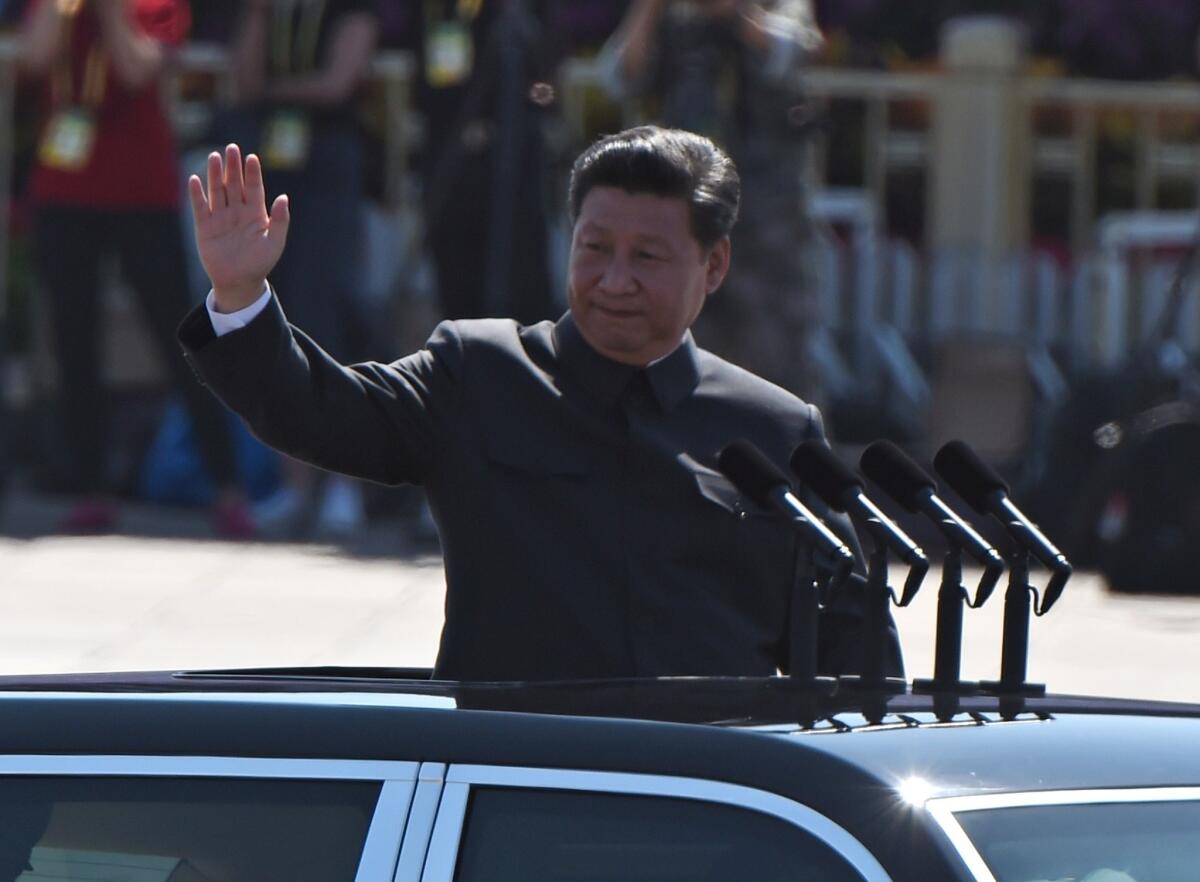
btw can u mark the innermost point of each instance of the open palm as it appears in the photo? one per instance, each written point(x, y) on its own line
point(238, 241)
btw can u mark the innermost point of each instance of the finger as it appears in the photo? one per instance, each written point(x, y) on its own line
point(281, 217)
point(216, 189)
point(200, 209)
point(235, 187)
point(256, 195)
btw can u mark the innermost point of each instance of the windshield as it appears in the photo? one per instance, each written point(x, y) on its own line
point(1107, 842)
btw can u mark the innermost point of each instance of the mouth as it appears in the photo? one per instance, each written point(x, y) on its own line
point(617, 313)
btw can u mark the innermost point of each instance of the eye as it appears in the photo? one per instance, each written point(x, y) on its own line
point(649, 255)
point(594, 246)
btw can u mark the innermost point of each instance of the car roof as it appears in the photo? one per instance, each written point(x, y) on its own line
point(746, 730)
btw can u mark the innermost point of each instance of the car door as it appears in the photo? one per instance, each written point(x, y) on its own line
point(201, 819)
point(501, 823)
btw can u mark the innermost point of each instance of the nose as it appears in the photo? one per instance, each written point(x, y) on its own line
point(618, 277)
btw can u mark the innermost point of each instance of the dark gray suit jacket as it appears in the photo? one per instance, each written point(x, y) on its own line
point(585, 530)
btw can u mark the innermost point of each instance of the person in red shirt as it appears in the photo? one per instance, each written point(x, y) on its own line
point(100, 61)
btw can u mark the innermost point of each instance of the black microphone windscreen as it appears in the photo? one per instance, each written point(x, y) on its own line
point(969, 476)
point(893, 470)
point(750, 470)
point(819, 468)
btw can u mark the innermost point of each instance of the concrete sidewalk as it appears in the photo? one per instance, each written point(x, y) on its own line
point(154, 600)
point(164, 594)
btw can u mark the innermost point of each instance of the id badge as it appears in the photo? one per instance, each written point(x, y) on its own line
point(69, 139)
point(286, 141)
point(450, 55)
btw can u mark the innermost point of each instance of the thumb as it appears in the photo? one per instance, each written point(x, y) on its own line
point(281, 217)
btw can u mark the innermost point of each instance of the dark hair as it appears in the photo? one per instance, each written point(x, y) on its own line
point(665, 162)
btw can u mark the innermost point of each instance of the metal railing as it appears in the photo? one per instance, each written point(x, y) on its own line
point(392, 70)
point(889, 148)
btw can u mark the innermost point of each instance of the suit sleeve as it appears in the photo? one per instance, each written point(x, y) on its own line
point(387, 423)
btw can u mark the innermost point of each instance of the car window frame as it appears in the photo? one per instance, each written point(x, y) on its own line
point(445, 842)
point(945, 810)
point(381, 845)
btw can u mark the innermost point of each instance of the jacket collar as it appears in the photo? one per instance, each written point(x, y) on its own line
point(672, 378)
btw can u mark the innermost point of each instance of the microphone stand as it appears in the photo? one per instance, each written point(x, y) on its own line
point(876, 596)
point(875, 607)
point(1014, 654)
point(1012, 686)
point(803, 679)
point(947, 686)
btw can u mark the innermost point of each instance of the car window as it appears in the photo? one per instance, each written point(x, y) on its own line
point(1117, 842)
point(135, 829)
point(572, 836)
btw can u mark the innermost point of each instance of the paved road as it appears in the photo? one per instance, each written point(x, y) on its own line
point(148, 602)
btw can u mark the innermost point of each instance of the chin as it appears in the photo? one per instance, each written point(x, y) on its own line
point(620, 342)
point(618, 347)
point(612, 328)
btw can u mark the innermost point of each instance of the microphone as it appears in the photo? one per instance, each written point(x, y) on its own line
point(907, 483)
point(986, 492)
point(760, 479)
point(842, 490)
point(764, 482)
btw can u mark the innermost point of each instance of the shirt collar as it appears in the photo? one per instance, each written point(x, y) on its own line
point(672, 378)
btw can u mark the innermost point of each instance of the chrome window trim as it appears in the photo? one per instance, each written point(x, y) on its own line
point(417, 700)
point(428, 794)
point(443, 847)
point(944, 809)
point(447, 832)
point(381, 845)
point(207, 766)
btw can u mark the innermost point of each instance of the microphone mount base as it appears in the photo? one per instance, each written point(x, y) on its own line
point(807, 697)
point(933, 686)
point(884, 685)
point(872, 693)
point(1012, 695)
point(1003, 688)
point(822, 685)
point(946, 694)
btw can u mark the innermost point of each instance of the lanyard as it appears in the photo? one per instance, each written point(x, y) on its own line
point(95, 80)
point(289, 37)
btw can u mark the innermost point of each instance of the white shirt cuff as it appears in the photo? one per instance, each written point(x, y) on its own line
point(227, 322)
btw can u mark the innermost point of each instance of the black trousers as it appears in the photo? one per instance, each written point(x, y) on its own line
point(70, 242)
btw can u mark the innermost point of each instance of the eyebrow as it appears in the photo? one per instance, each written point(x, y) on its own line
point(641, 238)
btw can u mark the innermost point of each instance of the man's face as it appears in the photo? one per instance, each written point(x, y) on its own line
point(637, 277)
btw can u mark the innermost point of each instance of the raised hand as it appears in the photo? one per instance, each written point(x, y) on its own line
point(238, 241)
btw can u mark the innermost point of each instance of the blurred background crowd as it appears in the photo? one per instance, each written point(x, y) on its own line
point(960, 218)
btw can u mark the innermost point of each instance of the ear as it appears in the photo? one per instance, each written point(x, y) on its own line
point(717, 265)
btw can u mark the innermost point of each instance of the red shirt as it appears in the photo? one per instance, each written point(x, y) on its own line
point(133, 163)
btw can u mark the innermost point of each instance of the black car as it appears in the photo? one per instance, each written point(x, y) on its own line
point(376, 775)
point(343, 774)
